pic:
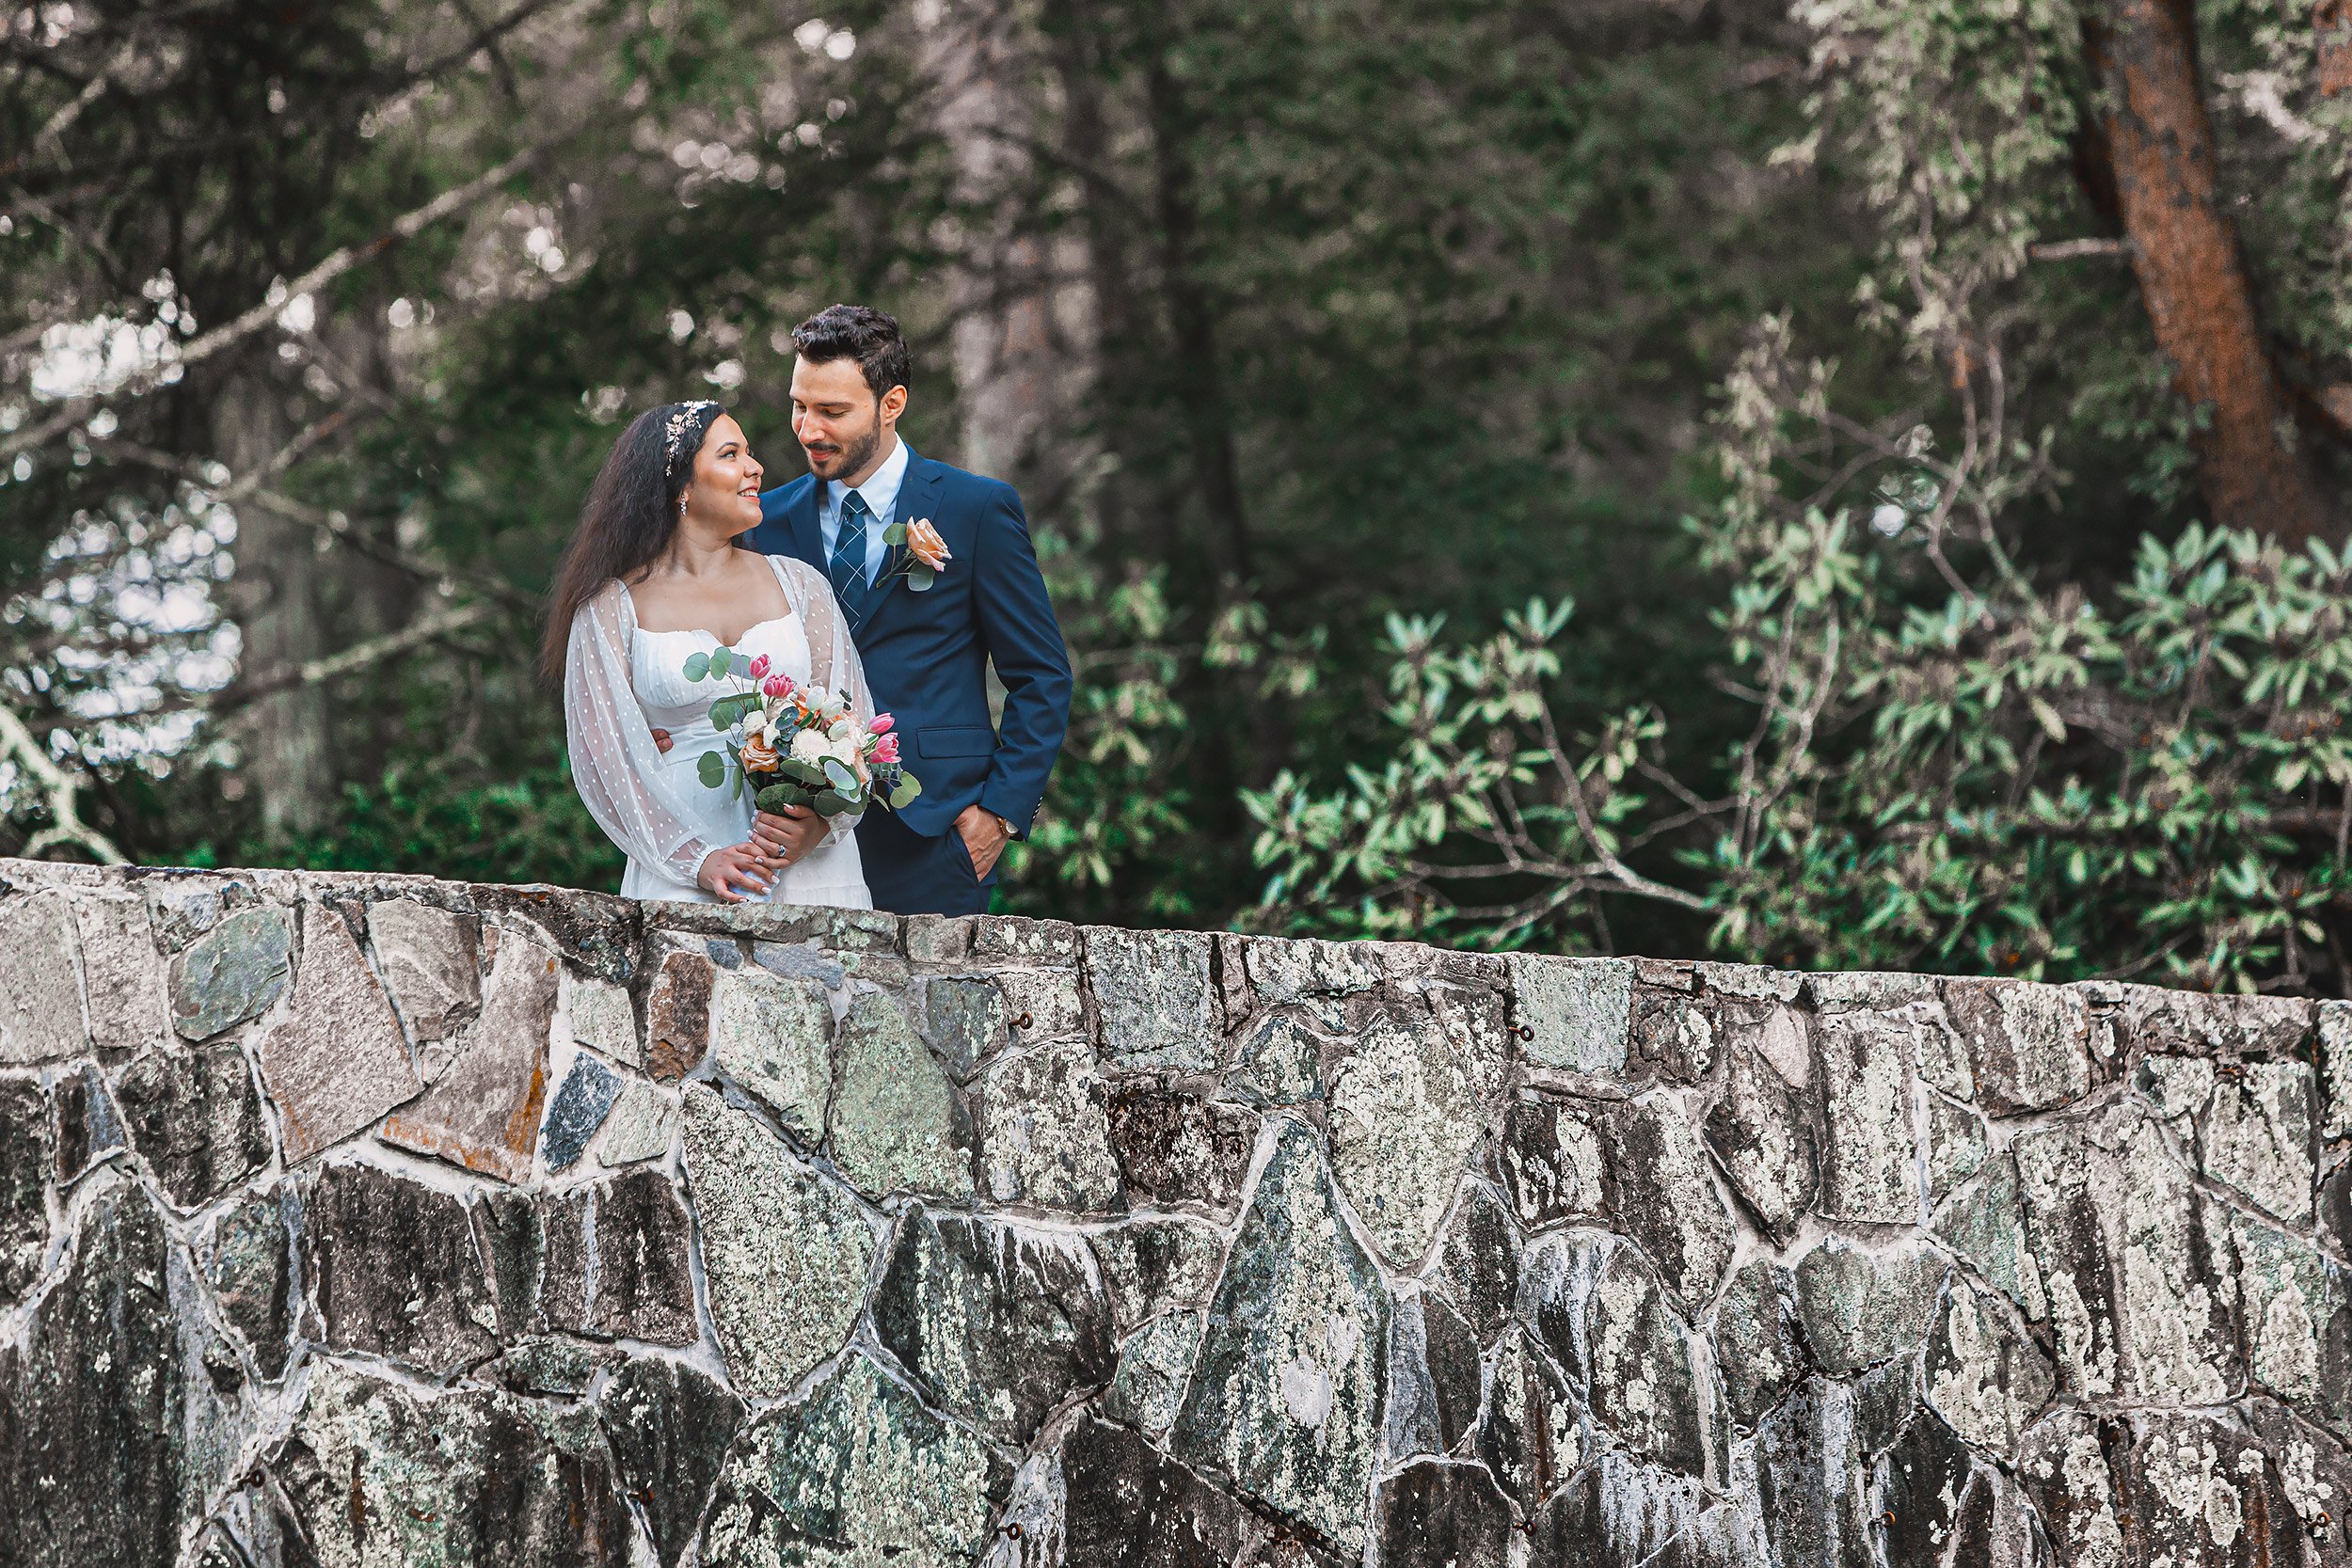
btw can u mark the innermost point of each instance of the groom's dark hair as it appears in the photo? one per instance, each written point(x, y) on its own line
point(857, 332)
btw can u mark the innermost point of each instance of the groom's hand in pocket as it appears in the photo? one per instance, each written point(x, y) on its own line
point(983, 834)
point(789, 834)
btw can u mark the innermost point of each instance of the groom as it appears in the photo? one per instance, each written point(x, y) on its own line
point(926, 650)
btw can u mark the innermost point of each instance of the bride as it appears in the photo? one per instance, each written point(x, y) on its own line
point(652, 575)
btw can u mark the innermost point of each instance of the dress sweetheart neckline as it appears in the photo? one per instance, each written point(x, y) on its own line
point(775, 563)
point(699, 631)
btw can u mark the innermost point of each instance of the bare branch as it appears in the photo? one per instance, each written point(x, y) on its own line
point(59, 789)
point(48, 135)
point(334, 266)
point(359, 656)
point(2071, 250)
point(334, 525)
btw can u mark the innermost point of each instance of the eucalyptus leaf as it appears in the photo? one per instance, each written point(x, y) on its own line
point(775, 797)
point(832, 803)
point(806, 773)
point(840, 776)
point(711, 770)
point(908, 788)
point(895, 534)
point(697, 665)
point(920, 577)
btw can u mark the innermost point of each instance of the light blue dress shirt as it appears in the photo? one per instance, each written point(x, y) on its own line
point(881, 493)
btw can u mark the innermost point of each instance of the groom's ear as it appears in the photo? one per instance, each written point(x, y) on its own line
point(894, 403)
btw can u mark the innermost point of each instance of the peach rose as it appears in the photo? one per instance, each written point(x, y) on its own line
point(926, 546)
point(758, 756)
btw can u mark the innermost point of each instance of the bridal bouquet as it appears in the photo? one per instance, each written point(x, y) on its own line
point(794, 745)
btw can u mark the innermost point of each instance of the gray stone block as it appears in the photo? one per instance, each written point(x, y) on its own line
point(1286, 1399)
point(231, 973)
point(1577, 1013)
point(41, 987)
point(1001, 1323)
point(896, 1124)
point(785, 1252)
point(196, 1120)
point(1154, 993)
point(336, 1062)
point(861, 1467)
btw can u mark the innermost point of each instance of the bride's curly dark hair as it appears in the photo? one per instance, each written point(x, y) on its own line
point(628, 517)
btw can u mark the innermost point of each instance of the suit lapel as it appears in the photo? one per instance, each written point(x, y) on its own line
point(808, 540)
point(919, 494)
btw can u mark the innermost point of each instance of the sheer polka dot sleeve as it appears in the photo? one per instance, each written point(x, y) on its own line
point(615, 765)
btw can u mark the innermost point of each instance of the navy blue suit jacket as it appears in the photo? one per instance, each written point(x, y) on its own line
point(926, 654)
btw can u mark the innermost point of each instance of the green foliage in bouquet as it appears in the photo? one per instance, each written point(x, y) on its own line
point(829, 787)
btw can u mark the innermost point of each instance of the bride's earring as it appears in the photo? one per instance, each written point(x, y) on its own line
point(682, 502)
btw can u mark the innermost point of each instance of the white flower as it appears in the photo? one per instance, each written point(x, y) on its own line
point(809, 746)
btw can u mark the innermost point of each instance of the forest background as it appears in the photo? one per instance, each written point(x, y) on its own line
point(1859, 484)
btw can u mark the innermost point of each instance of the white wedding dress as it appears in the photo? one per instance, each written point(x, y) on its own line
point(621, 683)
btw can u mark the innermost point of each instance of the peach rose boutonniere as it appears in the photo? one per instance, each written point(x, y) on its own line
point(926, 553)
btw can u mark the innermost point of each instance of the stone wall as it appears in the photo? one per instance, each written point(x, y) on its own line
point(371, 1221)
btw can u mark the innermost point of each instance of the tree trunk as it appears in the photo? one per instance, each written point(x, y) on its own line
point(276, 600)
point(1199, 380)
point(1002, 345)
point(1114, 333)
point(2193, 276)
point(2331, 21)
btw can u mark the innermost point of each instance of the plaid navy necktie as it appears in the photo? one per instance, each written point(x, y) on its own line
point(847, 567)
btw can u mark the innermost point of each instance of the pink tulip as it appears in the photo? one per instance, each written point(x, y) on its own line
point(886, 749)
point(880, 724)
point(778, 685)
point(759, 667)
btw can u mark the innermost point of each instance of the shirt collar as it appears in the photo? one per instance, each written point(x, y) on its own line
point(881, 488)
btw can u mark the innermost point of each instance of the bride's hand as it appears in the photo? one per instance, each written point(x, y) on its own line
point(744, 863)
point(787, 835)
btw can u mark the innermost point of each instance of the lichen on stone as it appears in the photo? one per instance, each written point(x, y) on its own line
point(1287, 1394)
point(785, 1253)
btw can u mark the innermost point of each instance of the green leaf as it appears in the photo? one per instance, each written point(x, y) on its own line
point(697, 665)
point(919, 579)
point(711, 769)
point(840, 776)
point(908, 788)
point(722, 661)
point(895, 534)
point(832, 803)
point(775, 797)
point(804, 773)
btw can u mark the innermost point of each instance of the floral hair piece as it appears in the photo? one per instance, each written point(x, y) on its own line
point(694, 417)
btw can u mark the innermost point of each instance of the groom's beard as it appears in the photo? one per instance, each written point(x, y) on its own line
point(846, 460)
